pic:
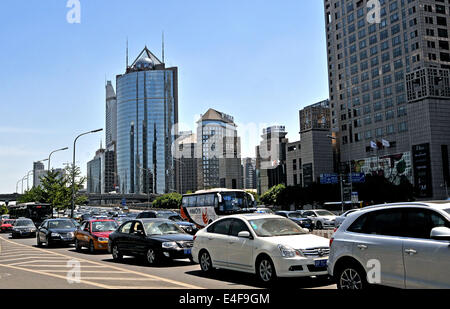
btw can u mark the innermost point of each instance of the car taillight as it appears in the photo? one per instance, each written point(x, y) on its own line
point(331, 241)
point(195, 236)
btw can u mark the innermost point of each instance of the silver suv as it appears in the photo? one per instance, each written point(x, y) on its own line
point(399, 245)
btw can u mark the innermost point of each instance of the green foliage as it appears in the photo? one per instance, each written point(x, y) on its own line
point(272, 196)
point(56, 189)
point(3, 210)
point(168, 201)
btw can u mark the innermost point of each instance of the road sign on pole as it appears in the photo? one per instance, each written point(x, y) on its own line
point(355, 198)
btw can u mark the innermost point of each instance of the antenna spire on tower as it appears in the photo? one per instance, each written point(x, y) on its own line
point(127, 53)
point(163, 47)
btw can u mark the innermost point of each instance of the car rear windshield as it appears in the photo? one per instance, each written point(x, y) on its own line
point(23, 223)
point(271, 227)
point(162, 228)
point(61, 224)
point(104, 226)
point(324, 213)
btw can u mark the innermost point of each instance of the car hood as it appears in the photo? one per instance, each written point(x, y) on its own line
point(62, 230)
point(184, 223)
point(102, 234)
point(329, 217)
point(300, 241)
point(173, 237)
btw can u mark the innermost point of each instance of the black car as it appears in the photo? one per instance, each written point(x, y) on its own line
point(297, 218)
point(188, 227)
point(155, 239)
point(23, 227)
point(56, 231)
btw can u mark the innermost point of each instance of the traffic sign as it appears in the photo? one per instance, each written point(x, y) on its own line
point(355, 197)
point(329, 179)
point(358, 178)
point(124, 202)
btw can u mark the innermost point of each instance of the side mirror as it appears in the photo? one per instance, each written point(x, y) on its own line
point(244, 234)
point(440, 233)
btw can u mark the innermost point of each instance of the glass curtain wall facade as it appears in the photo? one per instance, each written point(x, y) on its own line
point(147, 110)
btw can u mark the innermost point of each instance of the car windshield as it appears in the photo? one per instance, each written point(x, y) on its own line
point(104, 226)
point(162, 228)
point(61, 224)
point(235, 201)
point(271, 227)
point(324, 213)
point(24, 223)
point(164, 215)
point(8, 222)
point(175, 218)
point(295, 215)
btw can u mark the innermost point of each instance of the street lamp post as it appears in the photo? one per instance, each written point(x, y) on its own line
point(22, 182)
point(73, 167)
point(28, 175)
point(49, 157)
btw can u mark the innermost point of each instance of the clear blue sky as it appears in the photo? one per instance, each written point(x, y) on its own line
point(258, 60)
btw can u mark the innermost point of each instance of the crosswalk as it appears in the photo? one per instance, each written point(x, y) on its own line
point(75, 270)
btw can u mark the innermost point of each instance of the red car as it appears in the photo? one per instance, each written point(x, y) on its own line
point(94, 234)
point(6, 225)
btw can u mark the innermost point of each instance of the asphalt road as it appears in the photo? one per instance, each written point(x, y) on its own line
point(25, 266)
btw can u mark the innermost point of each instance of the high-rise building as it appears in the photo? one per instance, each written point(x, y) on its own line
point(147, 111)
point(186, 162)
point(111, 115)
point(38, 171)
point(249, 173)
point(218, 152)
point(96, 173)
point(390, 90)
point(271, 158)
point(312, 156)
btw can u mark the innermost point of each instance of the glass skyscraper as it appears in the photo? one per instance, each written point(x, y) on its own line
point(147, 111)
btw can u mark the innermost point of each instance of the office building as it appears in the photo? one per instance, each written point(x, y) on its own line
point(249, 173)
point(218, 152)
point(186, 162)
point(110, 175)
point(147, 111)
point(390, 91)
point(312, 156)
point(271, 158)
point(95, 173)
point(38, 171)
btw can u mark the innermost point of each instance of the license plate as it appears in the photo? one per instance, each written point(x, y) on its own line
point(321, 263)
point(187, 251)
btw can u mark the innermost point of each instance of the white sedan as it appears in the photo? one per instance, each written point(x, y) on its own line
point(268, 245)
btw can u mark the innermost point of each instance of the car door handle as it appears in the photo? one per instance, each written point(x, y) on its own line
point(362, 247)
point(410, 251)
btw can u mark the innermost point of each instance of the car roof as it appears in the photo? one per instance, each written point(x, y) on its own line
point(151, 220)
point(430, 204)
point(253, 216)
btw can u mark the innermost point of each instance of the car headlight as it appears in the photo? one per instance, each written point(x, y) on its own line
point(33, 230)
point(71, 234)
point(55, 234)
point(286, 252)
point(102, 239)
point(169, 245)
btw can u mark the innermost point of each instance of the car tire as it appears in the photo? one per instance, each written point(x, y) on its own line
point(351, 277)
point(319, 225)
point(265, 270)
point(78, 247)
point(91, 247)
point(38, 240)
point(116, 254)
point(205, 262)
point(151, 257)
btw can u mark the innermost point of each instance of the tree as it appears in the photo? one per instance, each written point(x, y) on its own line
point(272, 196)
point(3, 209)
point(79, 181)
point(35, 194)
point(168, 201)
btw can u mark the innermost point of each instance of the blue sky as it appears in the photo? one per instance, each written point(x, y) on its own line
point(257, 60)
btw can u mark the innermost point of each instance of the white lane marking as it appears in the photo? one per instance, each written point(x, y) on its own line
point(118, 279)
point(174, 282)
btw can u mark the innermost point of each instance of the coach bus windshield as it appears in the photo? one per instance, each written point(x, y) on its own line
point(235, 201)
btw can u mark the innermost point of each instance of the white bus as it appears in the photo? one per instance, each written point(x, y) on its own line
point(206, 206)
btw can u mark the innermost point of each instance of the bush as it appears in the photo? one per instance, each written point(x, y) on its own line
point(168, 201)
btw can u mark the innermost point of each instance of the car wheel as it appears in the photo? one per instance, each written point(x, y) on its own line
point(91, 247)
point(265, 270)
point(351, 277)
point(39, 244)
point(116, 254)
point(319, 225)
point(77, 245)
point(206, 262)
point(151, 256)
